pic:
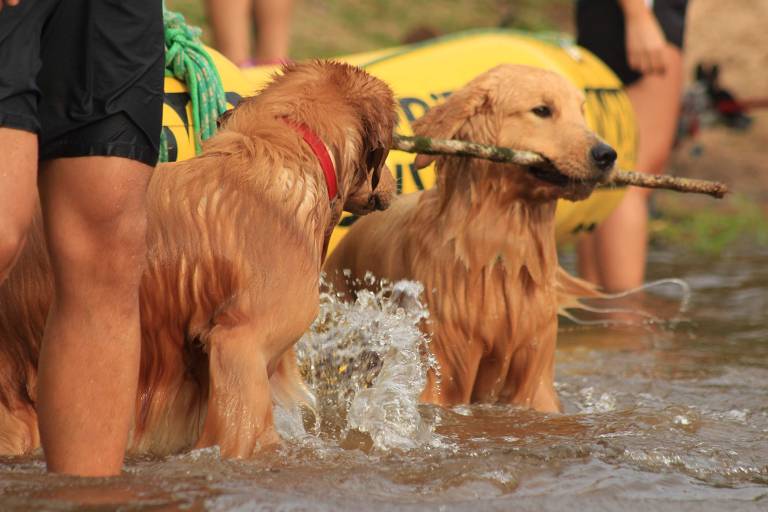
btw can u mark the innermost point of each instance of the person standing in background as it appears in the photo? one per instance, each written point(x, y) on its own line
point(231, 25)
point(641, 41)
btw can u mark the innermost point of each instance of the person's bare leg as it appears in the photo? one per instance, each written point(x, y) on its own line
point(18, 193)
point(619, 244)
point(95, 225)
point(586, 264)
point(273, 28)
point(231, 26)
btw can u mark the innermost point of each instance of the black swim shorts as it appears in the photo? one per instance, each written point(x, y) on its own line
point(600, 28)
point(85, 75)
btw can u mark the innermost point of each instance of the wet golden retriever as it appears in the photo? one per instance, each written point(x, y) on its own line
point(482, 241)
point(236, 240)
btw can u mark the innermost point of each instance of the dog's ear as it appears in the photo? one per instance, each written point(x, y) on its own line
point(445, 120)
point(374, 186)
point(377, 130)
point(382, 184)
point(386, 189)
point(375, 161)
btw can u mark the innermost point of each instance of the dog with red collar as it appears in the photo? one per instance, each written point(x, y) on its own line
point(236, 239)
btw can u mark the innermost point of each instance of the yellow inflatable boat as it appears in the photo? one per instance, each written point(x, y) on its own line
point(423, 74)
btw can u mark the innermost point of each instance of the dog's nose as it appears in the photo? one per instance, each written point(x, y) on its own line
point(603, 155)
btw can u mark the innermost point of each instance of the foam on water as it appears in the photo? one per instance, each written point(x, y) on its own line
point(366, 361)
point(590, 403)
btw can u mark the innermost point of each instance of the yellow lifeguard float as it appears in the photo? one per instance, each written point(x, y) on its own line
point(423, 74)
point(177, 107)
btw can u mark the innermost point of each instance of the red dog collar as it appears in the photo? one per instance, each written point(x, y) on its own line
point(321, 152)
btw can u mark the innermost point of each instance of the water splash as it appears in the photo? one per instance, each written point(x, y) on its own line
point(366, 361)
point(591, 403)
point(636, 306)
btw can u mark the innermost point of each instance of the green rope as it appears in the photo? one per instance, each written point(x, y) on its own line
point(187, 61)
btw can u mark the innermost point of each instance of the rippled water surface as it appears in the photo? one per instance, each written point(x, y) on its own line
point(672, 418)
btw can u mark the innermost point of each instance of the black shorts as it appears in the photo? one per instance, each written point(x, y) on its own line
point(600, 28)
point(85, 75)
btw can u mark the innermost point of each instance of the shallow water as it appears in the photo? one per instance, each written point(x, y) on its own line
point(657, 418)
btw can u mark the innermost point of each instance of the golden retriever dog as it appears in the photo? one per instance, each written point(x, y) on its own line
point(236, 239)
point(482, 241)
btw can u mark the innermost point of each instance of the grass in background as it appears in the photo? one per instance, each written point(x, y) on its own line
point(708, 227)
point(327, 28)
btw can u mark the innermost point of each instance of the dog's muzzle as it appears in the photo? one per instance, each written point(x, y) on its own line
point(381, 203)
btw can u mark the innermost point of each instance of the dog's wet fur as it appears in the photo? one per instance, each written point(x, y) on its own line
point(482, 241)
point(236, 239)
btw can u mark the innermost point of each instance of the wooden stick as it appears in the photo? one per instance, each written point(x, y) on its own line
point(427, 146)
point(665, 181)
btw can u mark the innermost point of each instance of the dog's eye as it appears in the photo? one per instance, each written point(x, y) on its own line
point(542, 111)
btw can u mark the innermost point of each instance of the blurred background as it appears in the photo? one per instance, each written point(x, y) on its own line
point(731, 35)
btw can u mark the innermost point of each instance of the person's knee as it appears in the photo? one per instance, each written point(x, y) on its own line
point(14, 226)
point(110, 252)
point(127, 245)
point(11, 243)
point(122, 241)
point(95, 223)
